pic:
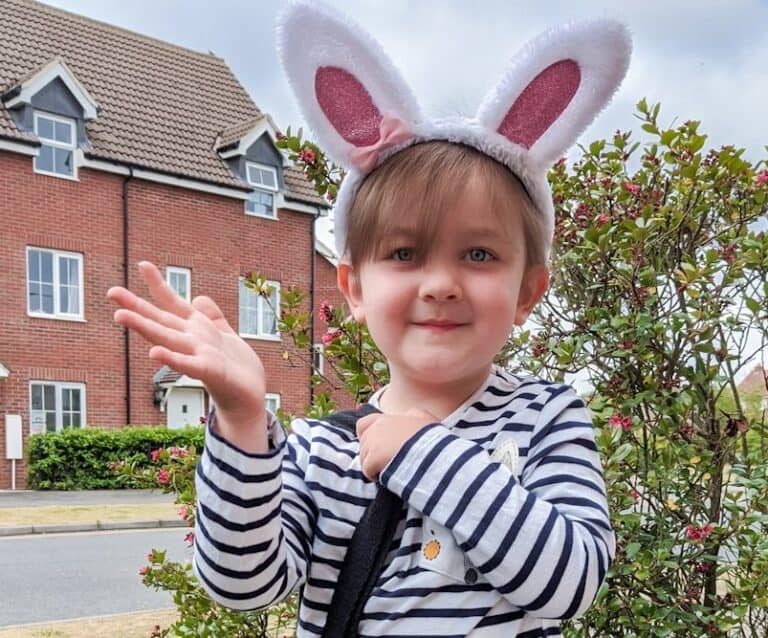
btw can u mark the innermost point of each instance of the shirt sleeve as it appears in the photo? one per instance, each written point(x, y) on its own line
point(544, 542)
point(255, 518)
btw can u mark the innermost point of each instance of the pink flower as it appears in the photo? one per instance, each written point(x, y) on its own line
point(627, 344)
point(163, 477)
point(143, 570)
point(632, 188)
point(178, 452)
point(329, 336)
point(307, 156)
point(762, 177)
point(184, 512)
point(603, 219)
point(155, 454)
point(698, 534)
point(727, 253)
point(635, 495)
point(326, 311)
point(619, 421)
point(190, 538)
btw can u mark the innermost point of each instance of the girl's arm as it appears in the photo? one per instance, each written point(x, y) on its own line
point(255, 518)
point(545, 541)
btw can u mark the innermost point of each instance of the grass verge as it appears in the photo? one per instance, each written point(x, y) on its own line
point(58, 515)
point(134, 625)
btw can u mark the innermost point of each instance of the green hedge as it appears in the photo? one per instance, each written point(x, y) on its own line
point(80, 459)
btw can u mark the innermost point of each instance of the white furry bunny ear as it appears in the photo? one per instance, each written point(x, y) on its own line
point(350, 94)
point(556, 86)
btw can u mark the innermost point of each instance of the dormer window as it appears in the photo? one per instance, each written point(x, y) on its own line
point(57, 150)
point(262, 200)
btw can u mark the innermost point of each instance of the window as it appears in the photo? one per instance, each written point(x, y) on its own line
point(262, 199)
point(273, 402)
point(180, 279)
point(258, 317)
point(55, 406)
point(57, 150)
point(54, 284)
point(317, 358)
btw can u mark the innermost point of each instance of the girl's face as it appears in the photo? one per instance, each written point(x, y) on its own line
point(442, 316)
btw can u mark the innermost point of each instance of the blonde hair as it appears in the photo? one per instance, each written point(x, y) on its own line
point(424, 180)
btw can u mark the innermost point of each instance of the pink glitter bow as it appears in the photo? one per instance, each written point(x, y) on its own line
point(392, 130)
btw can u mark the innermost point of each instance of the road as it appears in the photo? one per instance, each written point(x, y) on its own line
point(60, 576)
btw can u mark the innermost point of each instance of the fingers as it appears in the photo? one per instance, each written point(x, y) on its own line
point(208, 307)
point(136, 304)
point(364, 423)
point(165, 296)
point(155, 332)
point(190, 365)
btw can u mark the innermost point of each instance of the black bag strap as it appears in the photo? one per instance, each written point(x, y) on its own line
point(368, 548)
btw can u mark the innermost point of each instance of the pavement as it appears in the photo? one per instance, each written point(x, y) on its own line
point(32, 498)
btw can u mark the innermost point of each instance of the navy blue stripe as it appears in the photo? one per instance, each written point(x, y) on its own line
point(557, 574)
point(230, 549)
point(273, 452)
point(474, 488)
point(500, 619)
point(324, 464)
point(447, 478)
point(434, 612)
point(578, 596)
point(558, 426)
point(533, 556)
point(229, 497)
point(237, 474)
point(509, 538)
point(489, 515)
point(238, 527)
point(426, 462)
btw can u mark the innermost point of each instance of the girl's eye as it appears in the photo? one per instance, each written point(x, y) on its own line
point(479, 255)
point(403, 254)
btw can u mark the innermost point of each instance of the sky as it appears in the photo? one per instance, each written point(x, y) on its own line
point(704, 60)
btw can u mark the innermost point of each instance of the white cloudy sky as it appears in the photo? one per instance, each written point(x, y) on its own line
point(705, 60)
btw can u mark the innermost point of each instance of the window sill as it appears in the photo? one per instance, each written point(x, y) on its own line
point(272, 218)
point(275, 338)
point(41, 315)
point(69, 178)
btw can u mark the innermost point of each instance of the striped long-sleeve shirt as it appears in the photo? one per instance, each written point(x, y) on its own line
point(504, 528)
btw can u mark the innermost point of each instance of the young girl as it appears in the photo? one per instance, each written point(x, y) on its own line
point(445, 229)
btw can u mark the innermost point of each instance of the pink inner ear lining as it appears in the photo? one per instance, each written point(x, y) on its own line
point(347, 105)
point(541, 103)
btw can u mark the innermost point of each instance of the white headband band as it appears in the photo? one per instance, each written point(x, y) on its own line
point(361, 110)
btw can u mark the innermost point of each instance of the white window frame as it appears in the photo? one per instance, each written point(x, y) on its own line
point(60, 386)
point(178, 270)
point(260, 334)
point(260, 186)
point(275, 398)
point(71, 146)
point(57, 314)
point(318, 358)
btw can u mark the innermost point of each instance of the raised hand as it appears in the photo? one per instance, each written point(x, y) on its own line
point(195, 339)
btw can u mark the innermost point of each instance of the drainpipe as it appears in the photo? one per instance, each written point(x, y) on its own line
point(312, 308)
point(126, 332)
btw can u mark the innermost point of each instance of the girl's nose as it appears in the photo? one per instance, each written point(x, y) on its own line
point(439, 284)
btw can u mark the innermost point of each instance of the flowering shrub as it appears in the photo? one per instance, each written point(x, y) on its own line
point(660, 275)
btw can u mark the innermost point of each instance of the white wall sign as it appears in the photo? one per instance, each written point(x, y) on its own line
point(36, 421)
point(13, 436)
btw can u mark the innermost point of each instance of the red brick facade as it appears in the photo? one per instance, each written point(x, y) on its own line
point(172, 226)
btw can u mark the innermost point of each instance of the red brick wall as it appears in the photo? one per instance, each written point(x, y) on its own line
point(207, 233)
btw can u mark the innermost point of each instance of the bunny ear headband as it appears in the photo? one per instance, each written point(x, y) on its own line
point(362, 111)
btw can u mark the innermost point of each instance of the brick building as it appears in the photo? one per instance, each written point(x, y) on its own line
point(117, 148)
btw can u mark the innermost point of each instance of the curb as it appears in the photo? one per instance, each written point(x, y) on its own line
point(98, 526)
